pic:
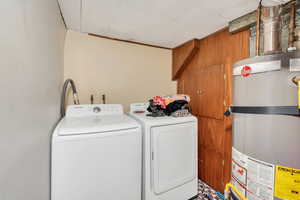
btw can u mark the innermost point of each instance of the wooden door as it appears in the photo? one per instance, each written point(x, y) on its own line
point(209, 85)
point(211, 88)
point(211, 152)
point(189, 86)
point(211, 97)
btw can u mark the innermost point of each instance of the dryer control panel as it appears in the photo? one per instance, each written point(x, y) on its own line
point(94, 110)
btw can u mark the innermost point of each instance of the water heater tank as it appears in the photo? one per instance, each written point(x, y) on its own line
point(266, 127)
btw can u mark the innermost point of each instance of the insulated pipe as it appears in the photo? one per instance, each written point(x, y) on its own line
point(292, 26)
point(258, 24)
point(63, 96)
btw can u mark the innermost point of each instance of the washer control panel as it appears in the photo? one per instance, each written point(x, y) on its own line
point(94, 110)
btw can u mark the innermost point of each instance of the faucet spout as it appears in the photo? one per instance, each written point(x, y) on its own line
point(63, 96)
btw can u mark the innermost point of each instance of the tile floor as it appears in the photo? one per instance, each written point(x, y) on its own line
point(206, 192)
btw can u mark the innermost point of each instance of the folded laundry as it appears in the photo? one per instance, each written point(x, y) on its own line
point(181, 113)
point(174, 106)
point(166, 105)
point(159, 113)
point(178, 97)
point(164, 101)
point(159, 101)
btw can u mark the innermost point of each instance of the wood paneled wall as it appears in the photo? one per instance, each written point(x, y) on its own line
point(182, 56)
point(219, 48)
point(208, 80)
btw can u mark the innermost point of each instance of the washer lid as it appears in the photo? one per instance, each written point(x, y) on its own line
point(95, 124)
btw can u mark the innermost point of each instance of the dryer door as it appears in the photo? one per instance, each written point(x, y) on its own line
point(174, 155)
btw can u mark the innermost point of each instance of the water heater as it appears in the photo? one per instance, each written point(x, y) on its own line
point(266, 127)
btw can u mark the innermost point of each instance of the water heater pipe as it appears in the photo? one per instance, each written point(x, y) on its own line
point(292, 26)
point(258, 24)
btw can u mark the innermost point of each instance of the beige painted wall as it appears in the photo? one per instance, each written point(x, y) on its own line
point(125, 72)
point(31, 74)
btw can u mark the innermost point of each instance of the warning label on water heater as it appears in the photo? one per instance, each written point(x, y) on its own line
point(254, 177)
point(287, 183)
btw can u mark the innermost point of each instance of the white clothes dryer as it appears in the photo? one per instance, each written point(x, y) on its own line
point(169, 156)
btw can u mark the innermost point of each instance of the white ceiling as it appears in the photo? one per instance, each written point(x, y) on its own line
point(166, 23)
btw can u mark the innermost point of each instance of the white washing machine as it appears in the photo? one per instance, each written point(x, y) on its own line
point(169, 156)
point(96, 154)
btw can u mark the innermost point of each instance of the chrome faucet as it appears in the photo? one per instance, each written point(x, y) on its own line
point(63, 96)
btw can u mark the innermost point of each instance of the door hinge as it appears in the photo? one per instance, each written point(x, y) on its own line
point(152, 155)
point(223, 162)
